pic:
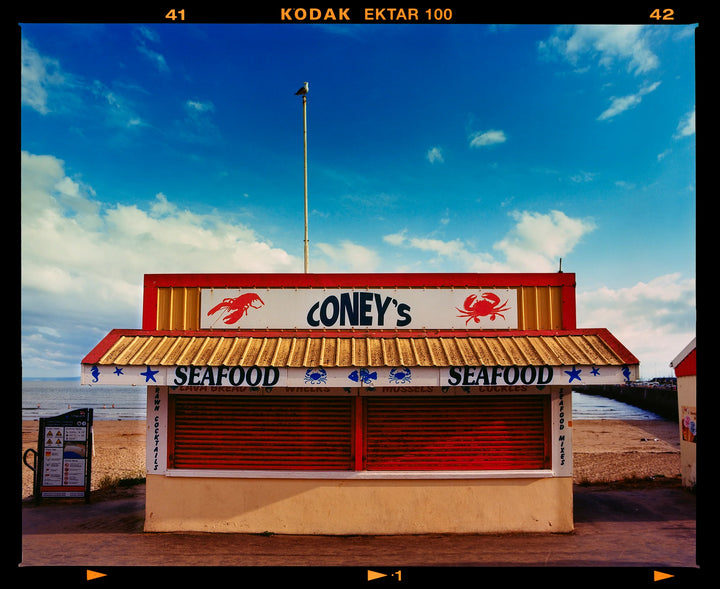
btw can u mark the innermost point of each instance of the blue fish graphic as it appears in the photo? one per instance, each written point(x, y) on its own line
point(363, 376)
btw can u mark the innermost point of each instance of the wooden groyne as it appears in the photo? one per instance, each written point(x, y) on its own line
point(659, 400)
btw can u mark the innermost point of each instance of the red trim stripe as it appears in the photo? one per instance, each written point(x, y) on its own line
point(418, 280)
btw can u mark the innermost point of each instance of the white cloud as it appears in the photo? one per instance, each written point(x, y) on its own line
point(686, 127)
point(145, 35)
point(435, 155)
point(442, 248)
point(395, 238)
point(37, 74)
point(198, 126)
point(162, 206)
point(199, 106)
point(533, 244)
point(65, 228)
point(605, 44)
point(83, 262)
point(345, 257)
point(582, 177)
point(655, 320)
point(47, 89)
point(538, 240)
point(485, 138)
point(117, 109)
point(620, 104)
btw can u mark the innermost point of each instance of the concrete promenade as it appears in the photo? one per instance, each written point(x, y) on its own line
point(631, 532)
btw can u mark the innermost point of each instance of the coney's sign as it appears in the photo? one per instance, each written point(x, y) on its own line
point(382, 308)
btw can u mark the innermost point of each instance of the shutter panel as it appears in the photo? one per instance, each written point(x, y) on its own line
point(457, 433)
point(261, 433)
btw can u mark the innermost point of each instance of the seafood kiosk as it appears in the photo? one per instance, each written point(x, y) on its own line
point(359, 403)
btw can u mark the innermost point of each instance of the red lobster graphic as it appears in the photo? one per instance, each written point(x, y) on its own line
point(237, 307)
point(488, 304)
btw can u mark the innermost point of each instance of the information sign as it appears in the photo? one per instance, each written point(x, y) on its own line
point(64, 455)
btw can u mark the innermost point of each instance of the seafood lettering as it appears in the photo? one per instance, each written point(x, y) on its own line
point(253, 376)
point(357, 309)
point(499, 375)
point(561, 422)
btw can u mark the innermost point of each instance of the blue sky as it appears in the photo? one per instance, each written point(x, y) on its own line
point(152, 148)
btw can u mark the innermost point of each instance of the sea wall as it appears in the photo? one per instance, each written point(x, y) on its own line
point(662, 401)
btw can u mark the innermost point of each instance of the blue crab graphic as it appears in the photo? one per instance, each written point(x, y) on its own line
point(315, 376)
point(400, 376)
point(363, 376)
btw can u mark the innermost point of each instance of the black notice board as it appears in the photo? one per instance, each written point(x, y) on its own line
point(65, 455)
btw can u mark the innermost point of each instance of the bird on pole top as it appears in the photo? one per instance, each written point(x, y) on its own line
point(303, 90)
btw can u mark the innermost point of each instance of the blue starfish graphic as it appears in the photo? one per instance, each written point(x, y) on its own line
point(574, 374)
point(595, 371)
point(149, 374)
point(118, 371)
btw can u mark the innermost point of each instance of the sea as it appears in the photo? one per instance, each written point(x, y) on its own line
point(50, 398)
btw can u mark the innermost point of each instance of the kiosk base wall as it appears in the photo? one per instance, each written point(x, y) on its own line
point(336, 507)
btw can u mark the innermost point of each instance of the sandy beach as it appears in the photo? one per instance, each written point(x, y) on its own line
point(604, 450)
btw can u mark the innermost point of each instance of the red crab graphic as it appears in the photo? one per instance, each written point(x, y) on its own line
point(488, 304)
point(237, 307)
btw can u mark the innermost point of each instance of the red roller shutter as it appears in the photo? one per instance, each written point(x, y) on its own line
point(457, 433)
point(263, 433)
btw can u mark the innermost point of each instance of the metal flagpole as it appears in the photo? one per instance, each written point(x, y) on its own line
point(303, 91)
point(304, 99)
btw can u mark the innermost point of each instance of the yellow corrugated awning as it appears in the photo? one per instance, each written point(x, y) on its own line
point(578, 347)
point(351, 359)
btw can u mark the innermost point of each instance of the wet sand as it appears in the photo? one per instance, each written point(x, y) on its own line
point(603, 450)
point(610, 450)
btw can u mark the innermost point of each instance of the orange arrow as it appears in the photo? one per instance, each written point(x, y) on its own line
point(373, 575)
point(658, 576)
point(94, 575)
